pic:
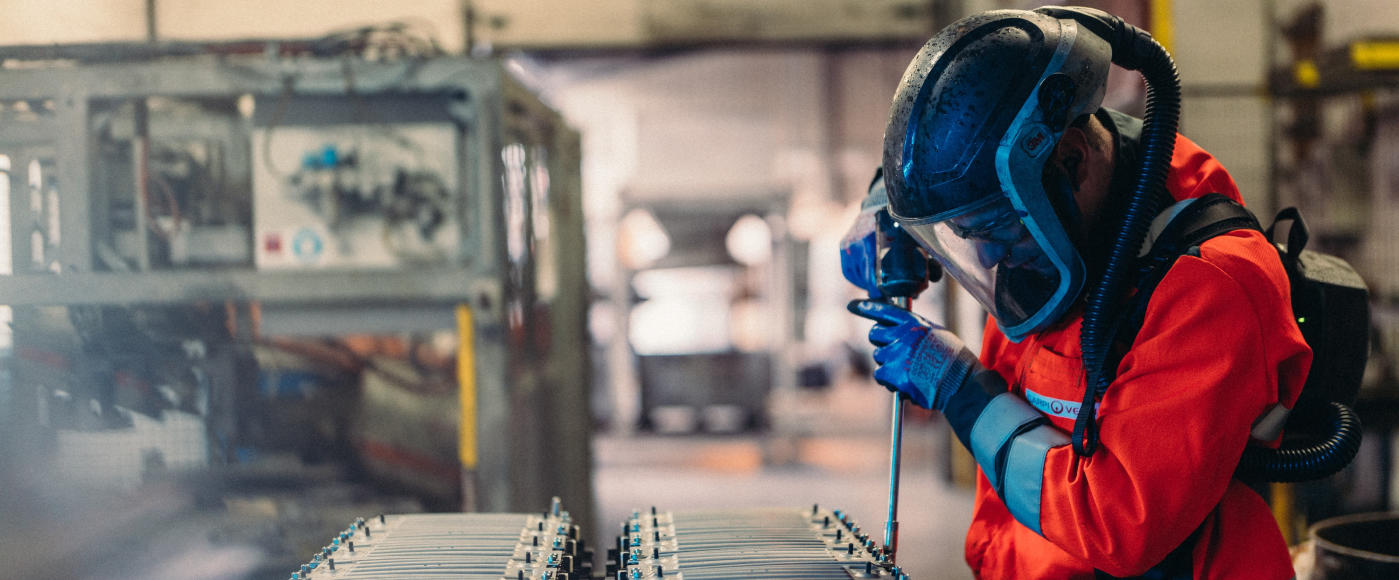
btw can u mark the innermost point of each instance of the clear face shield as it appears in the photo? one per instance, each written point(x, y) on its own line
point(1003, 258)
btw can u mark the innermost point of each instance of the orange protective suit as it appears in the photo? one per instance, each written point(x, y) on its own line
point(1218, 348)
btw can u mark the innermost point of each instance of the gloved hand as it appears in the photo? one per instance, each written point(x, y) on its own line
point(859, 249)
point(920, 359)
point(1008, 437)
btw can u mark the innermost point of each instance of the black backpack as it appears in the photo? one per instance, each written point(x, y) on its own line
point(1331, 304)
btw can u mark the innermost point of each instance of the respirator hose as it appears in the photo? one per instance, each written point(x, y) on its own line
point(1132, 49)
point(1293, 464)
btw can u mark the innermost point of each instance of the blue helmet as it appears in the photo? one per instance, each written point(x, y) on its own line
point(977, 114)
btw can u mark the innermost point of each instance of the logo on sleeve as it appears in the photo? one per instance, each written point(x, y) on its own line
point(1056, 407)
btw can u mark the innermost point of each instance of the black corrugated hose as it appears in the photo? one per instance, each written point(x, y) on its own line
point(1132, 49)
point(1291, 465)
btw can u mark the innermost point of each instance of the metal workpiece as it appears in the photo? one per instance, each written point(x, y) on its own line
point(748, 543)
point(484, 546)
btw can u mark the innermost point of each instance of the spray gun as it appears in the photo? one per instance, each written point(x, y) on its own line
point(902, 271)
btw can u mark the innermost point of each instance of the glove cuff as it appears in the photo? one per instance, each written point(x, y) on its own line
point(962, 365)
point(941, 371)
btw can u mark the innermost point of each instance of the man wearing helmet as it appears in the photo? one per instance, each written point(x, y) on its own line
point(1000, 162)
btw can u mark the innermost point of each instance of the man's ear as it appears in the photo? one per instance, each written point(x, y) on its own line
point(1068, 156)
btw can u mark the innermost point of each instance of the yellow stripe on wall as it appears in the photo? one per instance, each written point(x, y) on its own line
point(466, 384)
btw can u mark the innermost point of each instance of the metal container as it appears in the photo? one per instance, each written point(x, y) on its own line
point(1356, 546)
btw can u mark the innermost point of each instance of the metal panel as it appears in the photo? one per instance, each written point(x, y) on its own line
point(75, 181)
point(209, 77)
point(358, 319)
point(37, 131)
point(163, 287)
point(569, 360)
point(21, 218)
point(493, 478)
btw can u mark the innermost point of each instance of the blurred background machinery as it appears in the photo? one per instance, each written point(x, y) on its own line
point(258, 288)
point(279, 261)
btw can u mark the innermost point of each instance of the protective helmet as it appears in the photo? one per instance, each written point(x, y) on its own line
point(977, 114)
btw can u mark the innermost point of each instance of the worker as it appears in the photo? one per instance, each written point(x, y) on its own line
point(1001, 163)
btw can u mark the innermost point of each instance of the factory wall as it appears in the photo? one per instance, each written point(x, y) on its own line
point(1224, 108)
point(765, 120)
point(1224, 55)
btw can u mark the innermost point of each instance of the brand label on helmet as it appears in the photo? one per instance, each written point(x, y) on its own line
point(1055, 407)
point(1036, 140)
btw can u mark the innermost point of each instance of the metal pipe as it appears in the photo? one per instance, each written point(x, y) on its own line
point(140, 157)
point(896, 436)
point(151, 20)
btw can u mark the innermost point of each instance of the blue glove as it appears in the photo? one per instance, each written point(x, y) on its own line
point(859, 249)
point(1008, 437)
point(922, 360)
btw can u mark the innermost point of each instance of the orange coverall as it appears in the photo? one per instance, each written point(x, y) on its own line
point(1218, 347)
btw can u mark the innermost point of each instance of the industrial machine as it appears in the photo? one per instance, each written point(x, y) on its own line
point(196, 230)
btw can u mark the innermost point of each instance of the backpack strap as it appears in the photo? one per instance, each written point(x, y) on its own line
point(1180, 231)
point(1297, 237)
point(1199, 220)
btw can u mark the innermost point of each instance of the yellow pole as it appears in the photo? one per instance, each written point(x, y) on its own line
point(466, 383)
point(1163, 24)
point(1284, 510)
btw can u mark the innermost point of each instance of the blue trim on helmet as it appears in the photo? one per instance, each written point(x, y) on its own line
point(1024, 475)
point(1027, 195)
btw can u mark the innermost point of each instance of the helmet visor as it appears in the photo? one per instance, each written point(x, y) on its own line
point(997, 253)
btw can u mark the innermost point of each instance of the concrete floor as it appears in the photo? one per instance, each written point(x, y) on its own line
point(838, 462)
